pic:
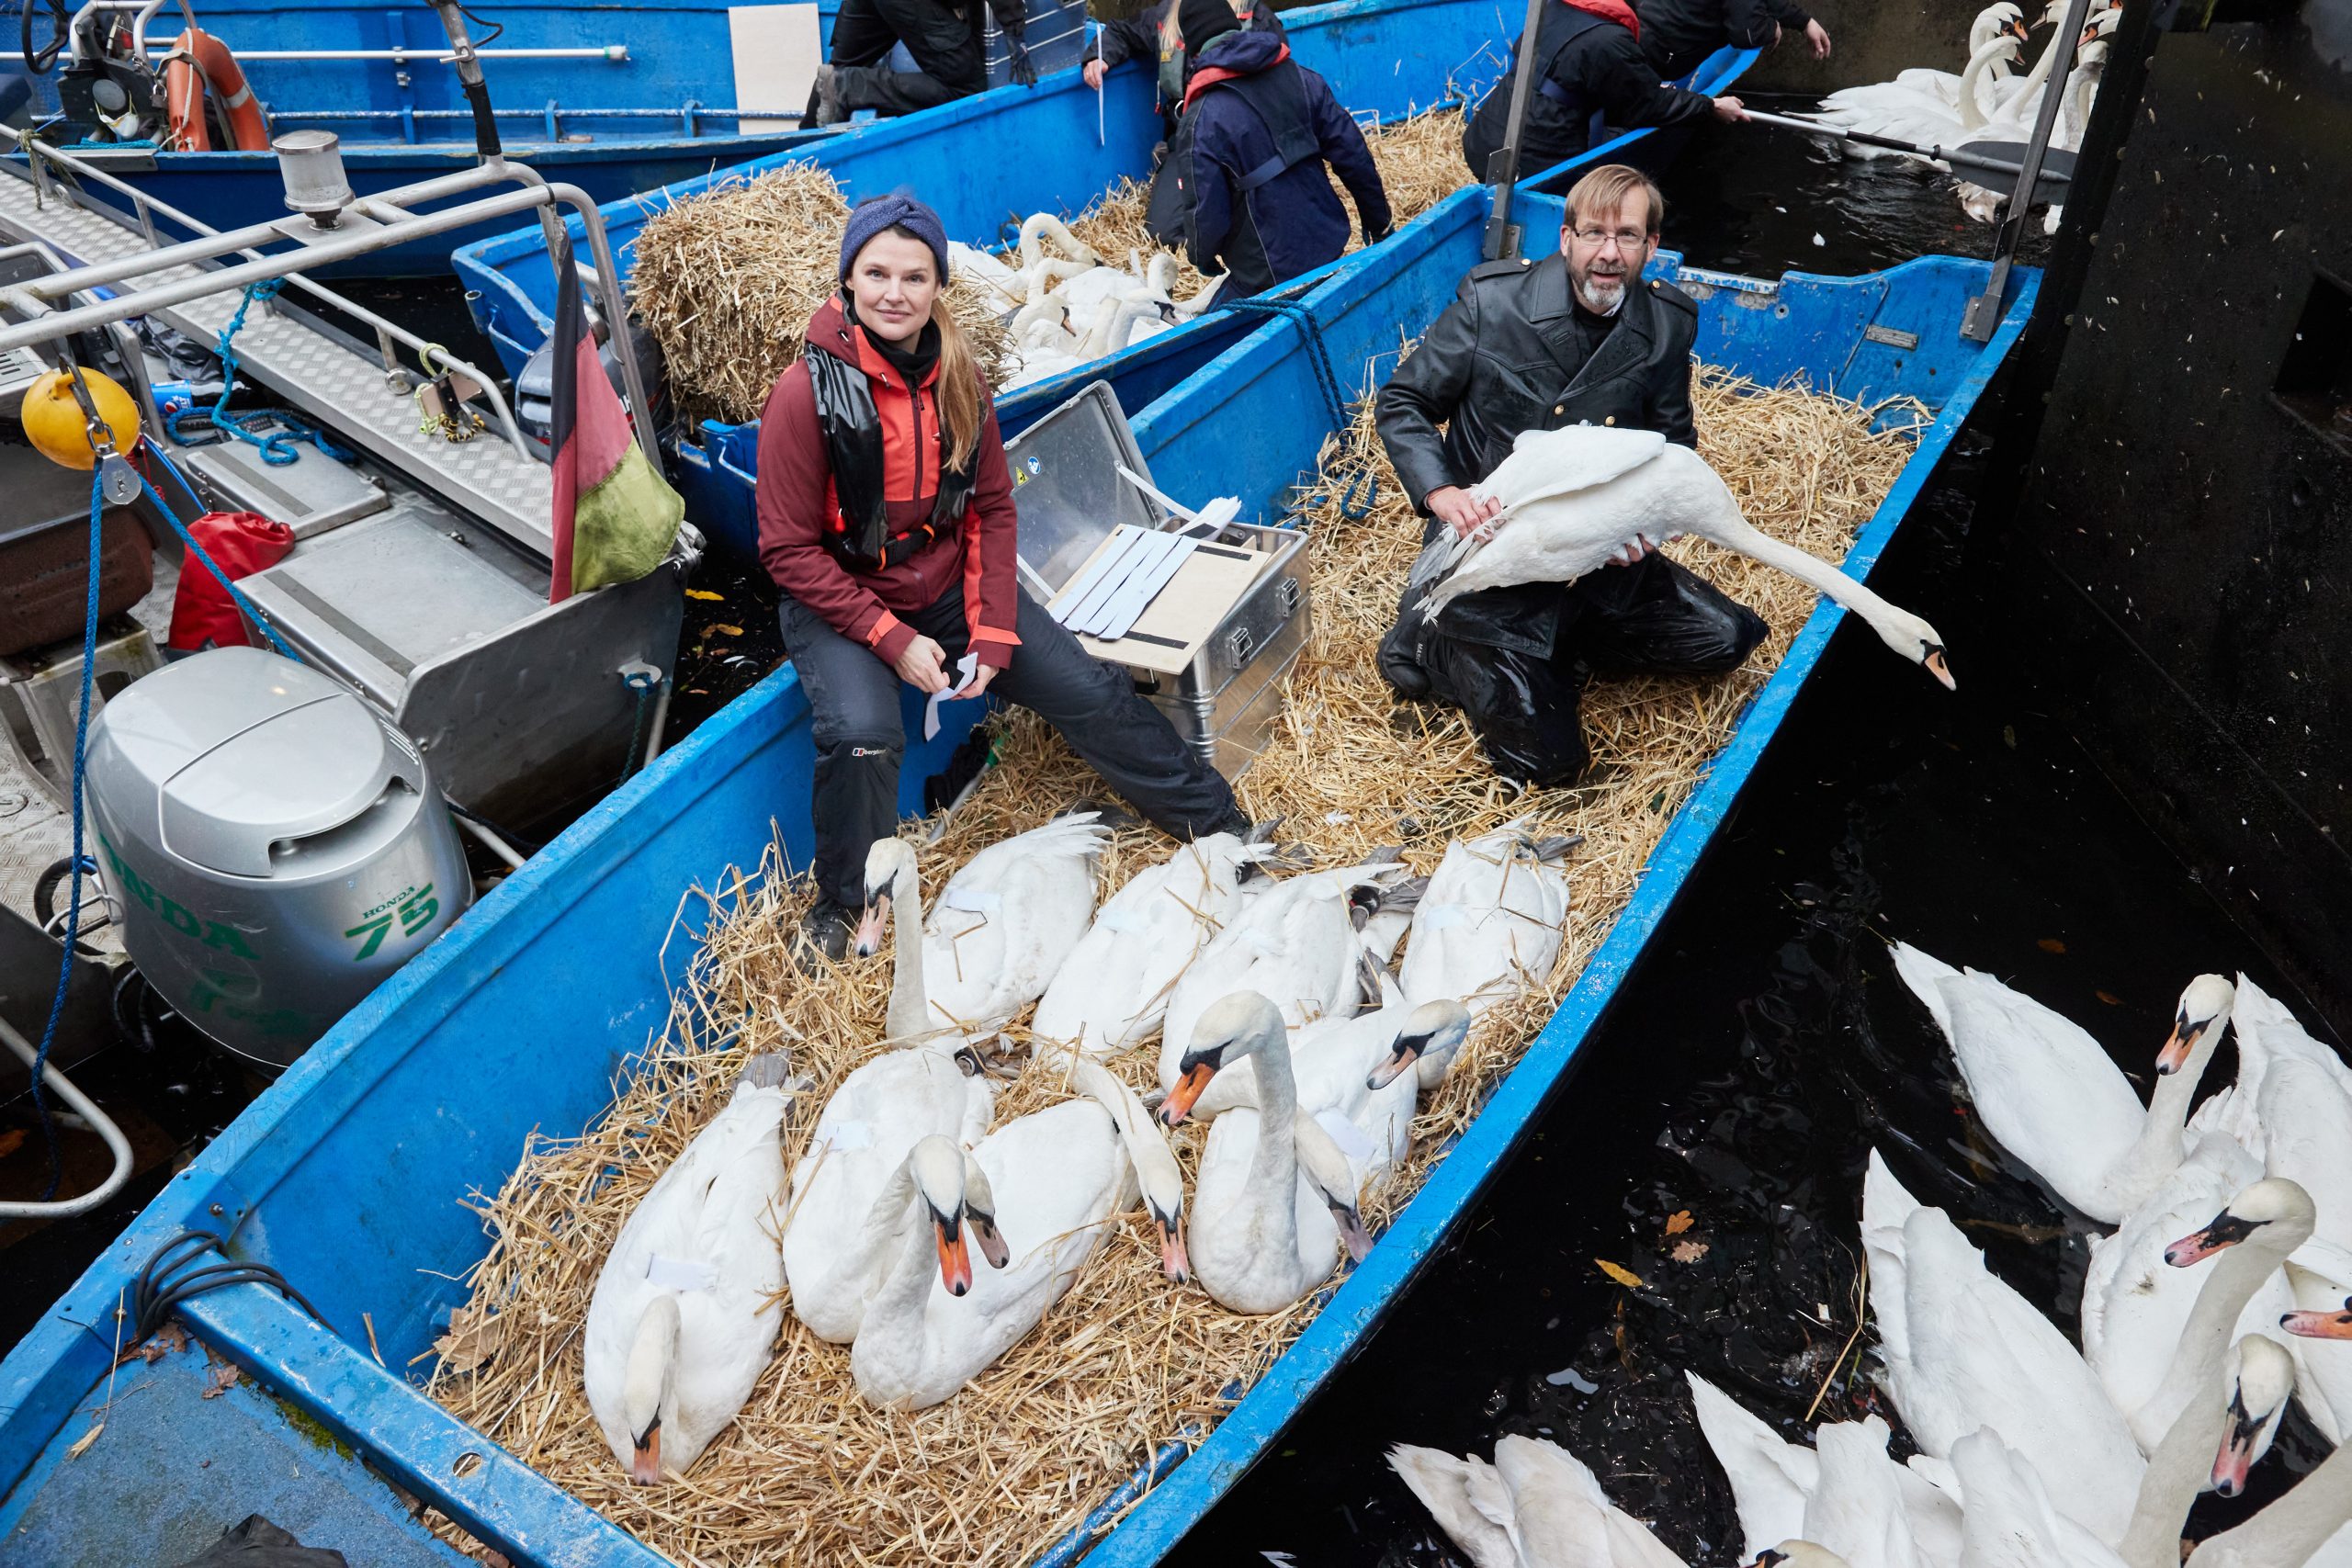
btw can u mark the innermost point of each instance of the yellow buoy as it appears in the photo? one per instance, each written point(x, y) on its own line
point(54, 424)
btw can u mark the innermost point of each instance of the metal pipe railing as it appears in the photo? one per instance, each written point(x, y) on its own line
point(384, 328)
point(399, 227)
point(616, 52)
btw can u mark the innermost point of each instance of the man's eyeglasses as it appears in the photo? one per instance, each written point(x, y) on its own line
point(1626, 239)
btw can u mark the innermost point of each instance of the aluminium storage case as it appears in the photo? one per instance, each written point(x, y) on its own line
point(1071, 496)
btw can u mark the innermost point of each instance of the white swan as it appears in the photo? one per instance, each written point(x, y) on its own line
point(874, 1119)
point(2312, 1525)
point(1005, 922)
point(2135, 1306)
point(1489, 926)
point(1360, 1079)
point(2049, 1094)
point(1114, 319)
point(1573, 497)
point(1294, 942)
point(1113, 990)
point(1991, 22)
point(1964, 1351)
point(2300, 1091)
point(1041, 229)
point(1002, 286)
point(1922, 118)
point(1775, 1484)
point(2013, 119)
point(1263, 1223)
point(1040, 1195)
point(1538, 1506)
point(685, 1308)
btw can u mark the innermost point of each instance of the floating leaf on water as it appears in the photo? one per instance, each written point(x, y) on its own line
point(2110, 997)
point(1620, 1273)
point(1678, 1221)
point(1690, 1251)
point(722, 628)
point(705, 594)
point(2050, 945)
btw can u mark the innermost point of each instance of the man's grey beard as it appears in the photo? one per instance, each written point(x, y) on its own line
point(1602, 295)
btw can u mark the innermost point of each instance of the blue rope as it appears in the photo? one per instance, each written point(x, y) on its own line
point(236, 594)
point(73, 902)
point(1318, 357)
point(277, 446)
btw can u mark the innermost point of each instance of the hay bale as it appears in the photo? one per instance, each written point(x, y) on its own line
point(727, 280)
point(810, 1473)
point(1421, 163)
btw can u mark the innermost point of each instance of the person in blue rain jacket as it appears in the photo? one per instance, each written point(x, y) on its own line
point(1256, 134)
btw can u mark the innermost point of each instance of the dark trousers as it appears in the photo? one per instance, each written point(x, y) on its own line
point(946, 47)
point(1485, 654)
point(854, 699)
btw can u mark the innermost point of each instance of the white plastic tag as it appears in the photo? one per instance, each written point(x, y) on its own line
point(1442, 917)
point(680, 1273)
point(971, 899)
point(967, 669)
point(847, 1136)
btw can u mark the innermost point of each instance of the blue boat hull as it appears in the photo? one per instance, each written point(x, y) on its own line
point(612, 127)
point(347, 1174)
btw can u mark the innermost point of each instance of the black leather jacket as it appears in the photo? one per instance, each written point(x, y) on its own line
point(1506, 358)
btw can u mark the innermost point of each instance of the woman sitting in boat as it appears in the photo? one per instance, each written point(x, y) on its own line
point(887, 518)
point(1577, 338)
point(1589, 73)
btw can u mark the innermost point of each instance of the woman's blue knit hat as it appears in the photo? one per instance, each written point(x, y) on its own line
point(896, 210)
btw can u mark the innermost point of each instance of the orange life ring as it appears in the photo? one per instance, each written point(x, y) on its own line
point(202, 63)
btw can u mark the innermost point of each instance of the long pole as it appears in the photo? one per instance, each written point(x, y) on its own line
point(1983, 312)
point(1501, 238)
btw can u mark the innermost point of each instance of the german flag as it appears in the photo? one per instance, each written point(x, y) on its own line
point(615, 516)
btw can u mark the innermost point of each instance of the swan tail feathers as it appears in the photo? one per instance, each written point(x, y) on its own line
point(1443, 1483)
point(1925, 975)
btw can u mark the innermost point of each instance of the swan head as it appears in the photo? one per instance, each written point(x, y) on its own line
point(648, 1386)
point(2320, 1325)
point(888, 860)
point(1911, 636)
point(1797, 1554)
point(2204, 1012)
point(2261, 1375)
point(2097, 30)
point(956, 1196)
point(2279, 1209)
point(1163, 1200)
point(1234, 1027)
point(1433, 1032)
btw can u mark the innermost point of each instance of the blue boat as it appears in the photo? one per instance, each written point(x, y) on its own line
point(614, 100)
point(976, 161)
point(347, 1175)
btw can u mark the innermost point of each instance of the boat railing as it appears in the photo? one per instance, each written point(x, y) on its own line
point(388, 221)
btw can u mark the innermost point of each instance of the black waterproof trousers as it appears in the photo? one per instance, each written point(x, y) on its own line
point(946, 47)
point(854, 699)
point(1525, 703)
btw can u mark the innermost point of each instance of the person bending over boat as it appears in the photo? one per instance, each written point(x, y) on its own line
point(1679, 35)
point(950, 62)
point(1577, 338)
point(1158, 33)
point(887, 518)
point(1589, 71)
point(1250, 152)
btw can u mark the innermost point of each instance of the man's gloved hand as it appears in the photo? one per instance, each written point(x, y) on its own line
point(1024, 72)
point(1374, 238)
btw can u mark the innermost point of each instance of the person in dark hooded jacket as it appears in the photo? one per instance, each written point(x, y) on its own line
point(1679, 35)
point(1260, 128)
point(1589, 70)
point(1158, 34)
point(887, 518)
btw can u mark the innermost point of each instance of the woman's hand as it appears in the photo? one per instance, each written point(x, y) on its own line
point(1460, 511)
point(923, 666)
point(981, 676)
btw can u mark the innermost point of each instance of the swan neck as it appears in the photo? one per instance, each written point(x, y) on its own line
point(909, 1014)
point(896, 1307)
point(1972, 114)
point(1273, 1169)
point(2194, 1380)
point(2159, 1141)
point(2295, 1527)
point(2176, 1471)
point(1737, 533)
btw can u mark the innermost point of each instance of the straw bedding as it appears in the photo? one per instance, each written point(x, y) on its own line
point(810, 1474)
point(727, 280)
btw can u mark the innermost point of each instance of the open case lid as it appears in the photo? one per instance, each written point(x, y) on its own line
point(1067, 484)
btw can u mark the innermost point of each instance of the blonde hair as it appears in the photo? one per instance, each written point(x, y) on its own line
point(1605, 190)
point(963, 407)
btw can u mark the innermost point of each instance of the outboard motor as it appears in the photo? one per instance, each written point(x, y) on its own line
point(534, 387)
point(276, 846)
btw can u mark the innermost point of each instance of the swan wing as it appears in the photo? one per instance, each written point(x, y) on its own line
point(1560, 1514)
point(1886, 1205)
point(2307, 1122)
point(1007, 919)
point(1546, 463)
point(2009, 1521)
point(1925, 975)
point(1856, 1511)
point(2046, 1091)
point(1442, 1482)
point(1770, 1477)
